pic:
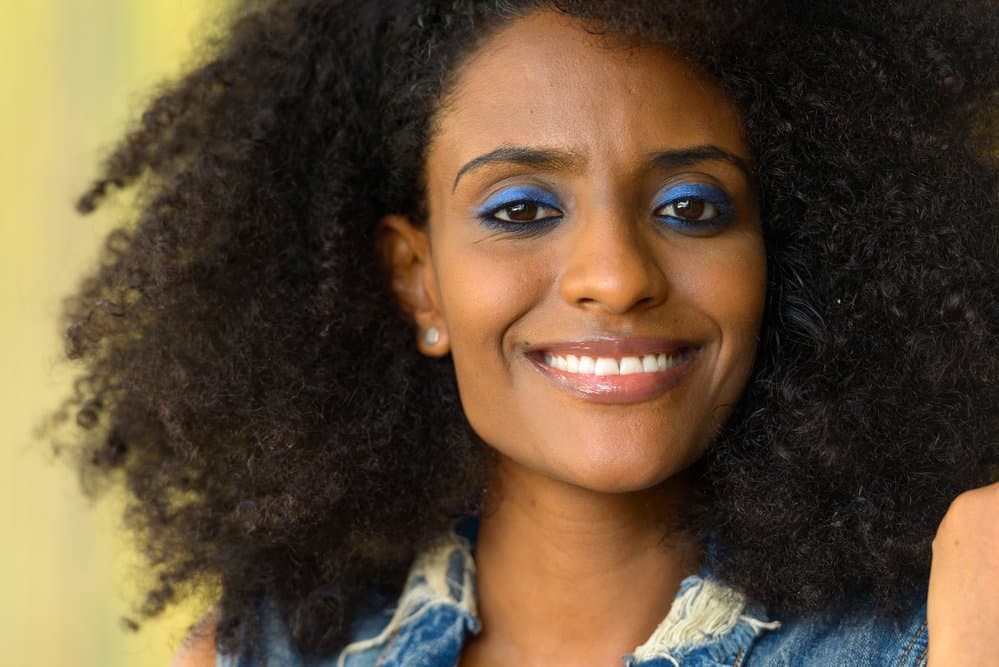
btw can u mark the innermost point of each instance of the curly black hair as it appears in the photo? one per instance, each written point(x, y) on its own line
point(249, 378)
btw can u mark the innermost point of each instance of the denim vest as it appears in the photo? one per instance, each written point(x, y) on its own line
point(708, 625)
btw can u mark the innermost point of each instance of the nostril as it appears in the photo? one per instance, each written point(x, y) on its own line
point(616, 305)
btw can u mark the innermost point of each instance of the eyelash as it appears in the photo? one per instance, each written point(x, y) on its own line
point(695, 193)
point(514, 197)
point(527, 228)
point(692, 193)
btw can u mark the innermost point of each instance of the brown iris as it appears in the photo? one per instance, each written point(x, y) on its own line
point(690, 209)
point(522, 212)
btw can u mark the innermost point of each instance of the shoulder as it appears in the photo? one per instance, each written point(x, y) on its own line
point(425, 623)
point(276, 647)
point(860, 636)
point(198, 649)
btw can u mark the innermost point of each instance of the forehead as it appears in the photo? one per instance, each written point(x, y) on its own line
point(544, 80)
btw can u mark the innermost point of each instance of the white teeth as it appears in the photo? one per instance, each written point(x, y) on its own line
point(631, 365)
point(649, 363)
point(606, 366)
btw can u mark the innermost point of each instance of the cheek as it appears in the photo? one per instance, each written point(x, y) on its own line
point(719, 285)
point(731, 290)
point(483, 296)
point(483, 293)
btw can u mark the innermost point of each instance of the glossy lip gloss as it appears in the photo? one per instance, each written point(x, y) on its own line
point(615, 370)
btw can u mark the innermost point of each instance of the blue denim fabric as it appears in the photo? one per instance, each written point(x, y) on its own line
point(709, 625)
point(859, 639)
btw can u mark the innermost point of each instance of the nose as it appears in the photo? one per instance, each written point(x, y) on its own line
point(611, 267)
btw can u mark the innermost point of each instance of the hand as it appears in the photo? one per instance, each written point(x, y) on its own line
point(963, 605)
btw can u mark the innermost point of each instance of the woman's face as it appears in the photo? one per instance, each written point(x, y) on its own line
point(595, 257)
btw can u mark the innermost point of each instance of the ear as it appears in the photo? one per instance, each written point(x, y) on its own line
point(405, 252)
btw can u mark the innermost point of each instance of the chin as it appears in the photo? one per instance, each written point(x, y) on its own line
point(621, 473)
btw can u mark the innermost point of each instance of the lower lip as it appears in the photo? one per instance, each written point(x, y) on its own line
point(618, 389)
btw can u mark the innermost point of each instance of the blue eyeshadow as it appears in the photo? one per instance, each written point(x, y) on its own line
point(516, 194)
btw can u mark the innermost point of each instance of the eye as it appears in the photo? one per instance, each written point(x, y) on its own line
point(526, 211)
point(693, 208)
point(523, 209)
point(690, 209)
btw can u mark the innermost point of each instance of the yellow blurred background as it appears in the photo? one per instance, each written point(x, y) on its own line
point(73, 73)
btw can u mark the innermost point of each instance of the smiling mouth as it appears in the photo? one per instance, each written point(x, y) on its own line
point(602, 366)
point(615, 371)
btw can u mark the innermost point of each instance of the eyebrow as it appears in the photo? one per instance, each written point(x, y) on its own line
point(551, 160)
point(688, 157)
point(547, 159)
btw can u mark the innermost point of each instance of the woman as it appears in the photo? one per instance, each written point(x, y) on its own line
point(700, 343)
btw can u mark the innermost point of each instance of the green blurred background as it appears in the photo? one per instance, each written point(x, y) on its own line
point(73, 74)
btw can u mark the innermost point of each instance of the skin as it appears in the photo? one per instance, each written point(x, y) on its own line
point(582, 492)
point(963, 604)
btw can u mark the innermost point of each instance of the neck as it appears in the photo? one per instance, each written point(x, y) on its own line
point(569, 576)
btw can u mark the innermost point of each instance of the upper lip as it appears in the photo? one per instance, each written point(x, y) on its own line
point(627, 346)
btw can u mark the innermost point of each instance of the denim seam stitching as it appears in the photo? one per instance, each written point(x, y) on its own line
point(912, 642)
point(919, 660)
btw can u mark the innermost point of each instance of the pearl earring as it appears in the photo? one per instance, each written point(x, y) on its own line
point(431, 336)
